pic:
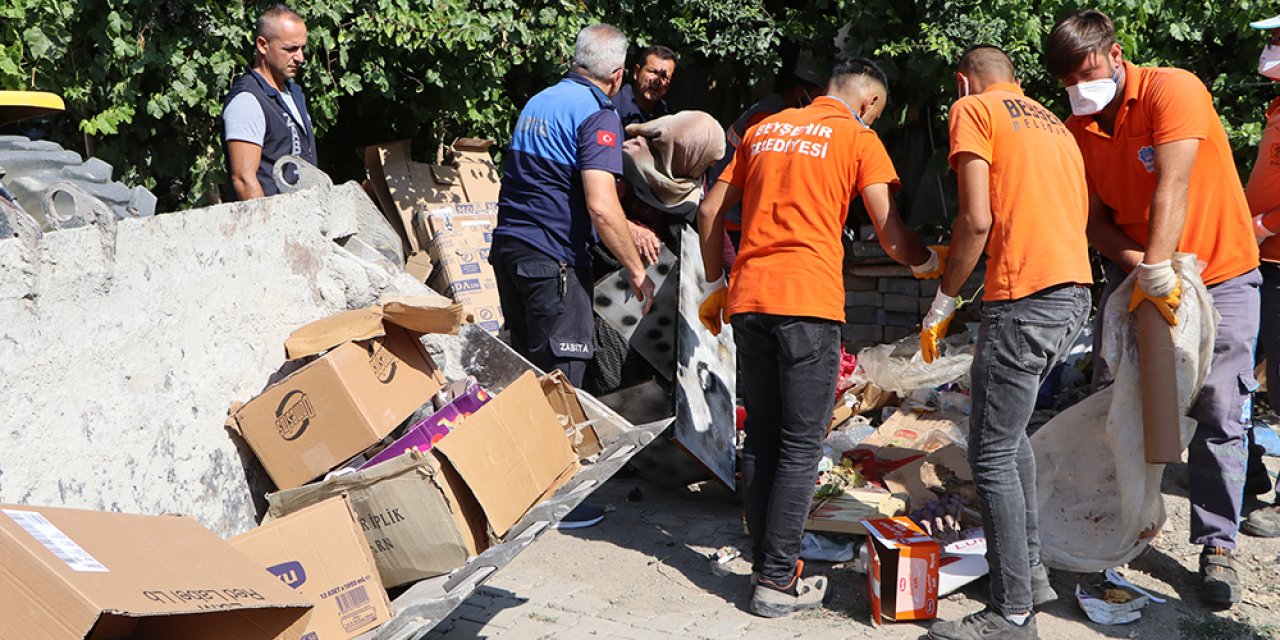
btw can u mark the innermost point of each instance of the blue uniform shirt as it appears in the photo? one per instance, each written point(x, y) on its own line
point(565, 129)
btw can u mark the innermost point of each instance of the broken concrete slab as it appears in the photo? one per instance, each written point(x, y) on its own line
point(122, 346)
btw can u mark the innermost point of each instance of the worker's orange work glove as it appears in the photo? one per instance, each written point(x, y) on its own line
point(934, 266)
point(1158, 284)
point(713, 308)
point(935, 325)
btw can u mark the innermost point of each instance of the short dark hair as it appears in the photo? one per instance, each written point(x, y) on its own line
point(1074, 38)
point(847, 69)
point(663, 53)
point(267, 20)
point(988, 61)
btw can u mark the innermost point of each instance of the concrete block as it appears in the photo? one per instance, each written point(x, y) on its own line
point(901, 303)
point(860, 250)
point(895, 319)
point(863, 299)
point(860, 314)
point(860, 283)
point(929, 288)
point(893, 334)
point(903, 286)
point(925, 305)
point(122, 351)
point(879, 270)
point(862, 333)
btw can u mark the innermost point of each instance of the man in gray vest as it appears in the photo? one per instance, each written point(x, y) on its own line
point(265, 115)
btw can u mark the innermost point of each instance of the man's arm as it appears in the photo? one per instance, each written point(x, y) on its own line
point(973, 223)
point(711, 227)
point(899, 241)
point(611, 223)
point(1107, 237)
point(245, 157)
point(1168, 216)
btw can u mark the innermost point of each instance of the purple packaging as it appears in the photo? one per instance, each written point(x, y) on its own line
point(425, 434)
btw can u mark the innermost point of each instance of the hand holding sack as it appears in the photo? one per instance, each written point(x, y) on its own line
point(714, 306)
point(935, 325)
point(1157, 284)
point(934, 266)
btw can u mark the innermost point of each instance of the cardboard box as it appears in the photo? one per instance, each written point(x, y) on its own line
point(85, 574)
point(921, 479)
point(458, 238)
point(907, 435)
point(563, 399)
point(902, 579)
point(321, 552)
point(373, 374)
point(845, 513)
point(424, 435)
point(423, 515)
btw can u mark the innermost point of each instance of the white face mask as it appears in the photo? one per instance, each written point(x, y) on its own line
point(1088, 98)
point(1269, 62)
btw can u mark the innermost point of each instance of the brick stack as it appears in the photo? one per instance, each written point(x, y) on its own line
point(883, 301)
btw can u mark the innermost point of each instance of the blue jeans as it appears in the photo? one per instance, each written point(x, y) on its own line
point(1019, 342)
point(788, 370)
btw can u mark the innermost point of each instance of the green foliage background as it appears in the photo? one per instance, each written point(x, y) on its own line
point(144, 79)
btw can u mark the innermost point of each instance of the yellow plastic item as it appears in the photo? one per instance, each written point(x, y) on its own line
point(21, 105)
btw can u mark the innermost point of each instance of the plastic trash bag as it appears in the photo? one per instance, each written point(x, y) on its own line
point(898, 367)
point(1099, 501)
point(823, 549)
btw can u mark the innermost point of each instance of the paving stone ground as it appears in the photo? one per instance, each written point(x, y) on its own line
point(642, 574)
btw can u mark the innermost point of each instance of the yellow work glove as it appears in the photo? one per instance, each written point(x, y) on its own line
point(1158, 284)
point(713, 308)
point(935, 325)
point(934, 266)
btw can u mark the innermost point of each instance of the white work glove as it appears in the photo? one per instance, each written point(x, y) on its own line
point(712, 309)
point(1260, 231)
point(934, 266)
point(935, 325)
point(1157, 284)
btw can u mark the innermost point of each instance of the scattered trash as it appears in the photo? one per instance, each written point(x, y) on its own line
point(963, 561)
point(721, 558)
point(1267, 438)
point(1115, 578)
point(1110, 604)
point(898, 367)
point(824, 549)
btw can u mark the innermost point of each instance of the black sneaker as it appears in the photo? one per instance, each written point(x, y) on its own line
point(987, 624)
point(585, 515)
point(1041, 591)
point(1221, 584)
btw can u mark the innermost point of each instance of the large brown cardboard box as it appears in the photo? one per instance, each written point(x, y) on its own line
point(424, 515)
point(374, 373)
point(321, 552)
point(458, 238)
point(86, 574)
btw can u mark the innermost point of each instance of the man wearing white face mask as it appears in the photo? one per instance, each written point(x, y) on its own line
point(1263, 194)
point(1162, 179)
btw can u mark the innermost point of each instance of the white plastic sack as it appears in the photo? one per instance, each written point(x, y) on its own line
point(1100, 502)
point(898, 367)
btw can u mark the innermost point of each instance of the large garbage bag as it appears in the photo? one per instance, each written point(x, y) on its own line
point(1100, 502)
point(898, 367)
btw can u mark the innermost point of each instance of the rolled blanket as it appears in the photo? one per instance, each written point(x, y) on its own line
point(665, 158)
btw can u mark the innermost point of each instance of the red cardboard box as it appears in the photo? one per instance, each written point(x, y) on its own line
point(903, 577)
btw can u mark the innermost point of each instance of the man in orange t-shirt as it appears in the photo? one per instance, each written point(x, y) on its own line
point(1162, 179)
point(795, 174)
point(1024, 201)
point(1263, 194)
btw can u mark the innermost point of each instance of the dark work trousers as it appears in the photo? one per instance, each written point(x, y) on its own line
point(1019, 342)
point(788, 375)
point(546, 305)
point(1269, 345)
point(1217, 455)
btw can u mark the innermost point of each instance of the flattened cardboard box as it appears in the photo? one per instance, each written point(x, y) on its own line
point(321, 552)
point(458, 238)
point(86, 574)
point(349, 398)
point(424, 515)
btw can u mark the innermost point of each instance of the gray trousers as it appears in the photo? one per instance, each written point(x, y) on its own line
point(1019, 342)
point(1217, 454)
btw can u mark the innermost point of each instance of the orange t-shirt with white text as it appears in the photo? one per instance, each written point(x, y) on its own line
point(798, 171)
point(1163, 105)
point(1039, 200)
point(1263, 191)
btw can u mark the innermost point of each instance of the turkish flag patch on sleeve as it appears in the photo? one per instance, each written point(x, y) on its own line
point(606, 138)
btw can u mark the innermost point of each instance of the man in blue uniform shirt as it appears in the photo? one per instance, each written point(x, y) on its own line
point(645, 98)
point(559, 197)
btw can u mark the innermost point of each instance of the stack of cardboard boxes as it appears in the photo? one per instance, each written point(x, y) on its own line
point(445, 214)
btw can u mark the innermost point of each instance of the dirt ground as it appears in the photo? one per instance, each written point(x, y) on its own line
point(643, 573)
